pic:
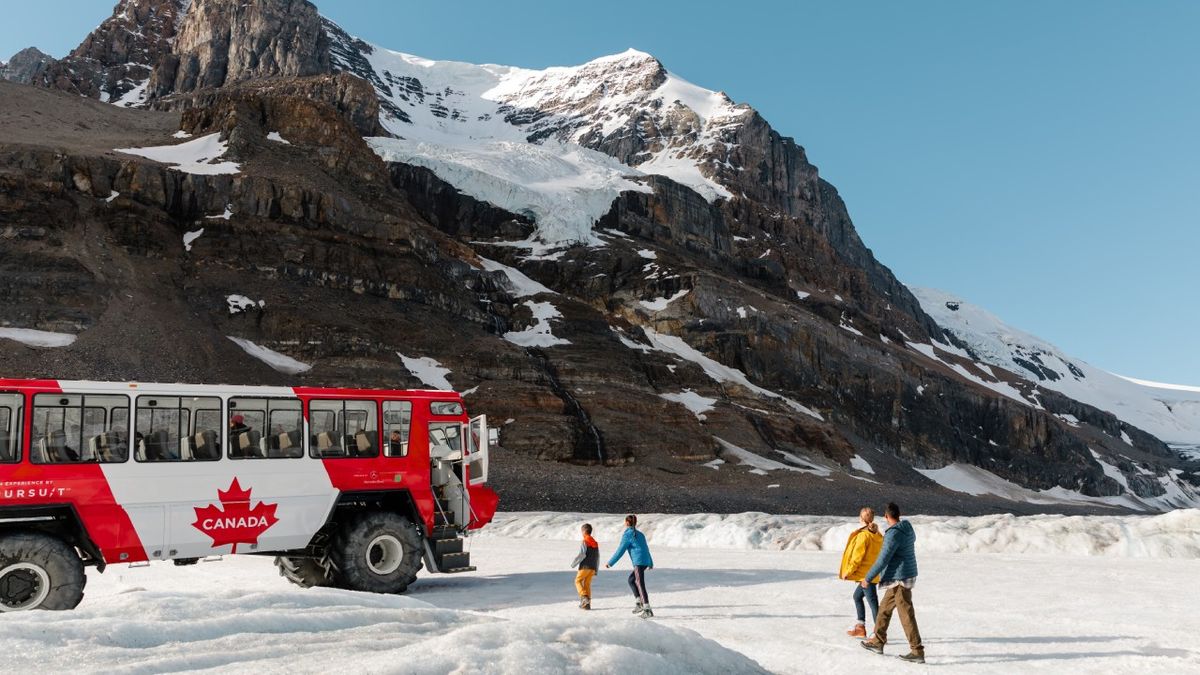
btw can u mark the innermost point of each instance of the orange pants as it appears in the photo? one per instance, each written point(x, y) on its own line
point(583, 582)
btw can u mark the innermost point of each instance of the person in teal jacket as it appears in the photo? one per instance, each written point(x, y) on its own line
point(634, 542)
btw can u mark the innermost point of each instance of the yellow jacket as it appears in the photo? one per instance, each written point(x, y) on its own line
point(861, 551)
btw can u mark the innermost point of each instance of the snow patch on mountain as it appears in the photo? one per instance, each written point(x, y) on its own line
point(697, 404)
point(280, 362)
point(719, 371)
point(519, 284)
point(195, 157)
point(1171, 413)
point(540, 333)
point(37, 338)
point(431, 373)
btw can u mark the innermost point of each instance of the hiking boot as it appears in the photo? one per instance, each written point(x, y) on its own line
point(859, 631)
point(638, 609)
point(914, 657)
point(646, 612)
point(585, 603)
point(872, 646)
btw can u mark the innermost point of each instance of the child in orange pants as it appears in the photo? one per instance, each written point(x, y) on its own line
point(588, 561)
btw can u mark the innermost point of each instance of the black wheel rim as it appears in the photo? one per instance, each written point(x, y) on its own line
point(20, 585)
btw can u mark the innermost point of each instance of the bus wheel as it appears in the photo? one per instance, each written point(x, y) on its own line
point(38, 571)
point(377, 552)
point(304, 572)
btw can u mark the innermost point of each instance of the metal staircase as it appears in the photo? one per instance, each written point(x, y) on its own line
point(444, 546)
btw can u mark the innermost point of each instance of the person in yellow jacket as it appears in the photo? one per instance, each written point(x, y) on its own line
point(861, 551)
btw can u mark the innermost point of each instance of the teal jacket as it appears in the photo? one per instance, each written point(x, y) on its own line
point(898, 558)
point(634, 542)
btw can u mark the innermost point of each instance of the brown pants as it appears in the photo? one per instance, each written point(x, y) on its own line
point(899, 597)
point(583, 582)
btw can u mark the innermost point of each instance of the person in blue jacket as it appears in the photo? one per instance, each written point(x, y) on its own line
point(639, 554)
point(897, 570)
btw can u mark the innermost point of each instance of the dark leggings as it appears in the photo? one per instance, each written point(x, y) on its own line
point(637, 583)
point(872, 600)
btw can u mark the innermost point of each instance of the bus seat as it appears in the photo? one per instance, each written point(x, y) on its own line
point(108, 447)
point(41, 454)
point(204, 445)
point(96, 448)
point(249, 444)
point(157, 446)
point(285, 444)
point(327, 445)
point(363, 445)
point(57, 447)
point(185, 449)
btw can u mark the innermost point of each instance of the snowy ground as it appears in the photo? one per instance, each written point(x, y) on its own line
point(784, 609)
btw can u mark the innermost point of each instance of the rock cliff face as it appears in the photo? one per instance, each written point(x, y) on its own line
point(25, 66)
point(225, 41)
point(721, 304)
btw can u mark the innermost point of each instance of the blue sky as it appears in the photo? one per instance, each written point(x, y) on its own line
point(1039, 159)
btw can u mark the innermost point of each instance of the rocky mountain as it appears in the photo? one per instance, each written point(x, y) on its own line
point(25, 65)
point(650, 290)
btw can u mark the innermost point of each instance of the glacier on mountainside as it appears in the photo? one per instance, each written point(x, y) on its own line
point(1169, 412)
point(521, 139)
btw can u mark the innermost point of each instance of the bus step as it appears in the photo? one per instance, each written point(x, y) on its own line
point(445, 546)
point(453, 561)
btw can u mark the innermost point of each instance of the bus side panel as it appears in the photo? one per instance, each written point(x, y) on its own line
point(83, 486)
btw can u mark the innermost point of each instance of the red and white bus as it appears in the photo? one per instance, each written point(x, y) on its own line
point(353, 488)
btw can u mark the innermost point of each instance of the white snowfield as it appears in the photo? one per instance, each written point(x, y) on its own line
point(727, 599)
point(431, 373)
point(37, 338)
point(197, 156)
point(1169, 412)
point(539, 334)
point(281, 362)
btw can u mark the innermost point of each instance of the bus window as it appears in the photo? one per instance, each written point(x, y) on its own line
point(11, 413)
point(70, 428)
point(343, 428)
point(445, 439)
point(269, 428)
point(164, 432)
point(446, 408)
point(397, 417)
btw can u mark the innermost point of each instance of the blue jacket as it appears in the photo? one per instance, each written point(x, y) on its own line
point(898, 558)
point(634, 542)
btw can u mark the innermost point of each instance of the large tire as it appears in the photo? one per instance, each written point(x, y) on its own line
point(38, 571)
point(377, 553)
point(304, 572)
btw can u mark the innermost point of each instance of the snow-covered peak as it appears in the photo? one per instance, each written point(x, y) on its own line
point(1170, 412)
point(558, 144)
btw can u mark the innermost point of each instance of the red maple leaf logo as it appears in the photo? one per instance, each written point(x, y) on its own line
point(235, 523)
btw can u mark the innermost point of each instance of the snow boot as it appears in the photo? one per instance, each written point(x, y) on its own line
point(859, 631)
point(638, 609)
point(914, 657)
point(585, 602)
point(872, 646)
point(647, 613)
